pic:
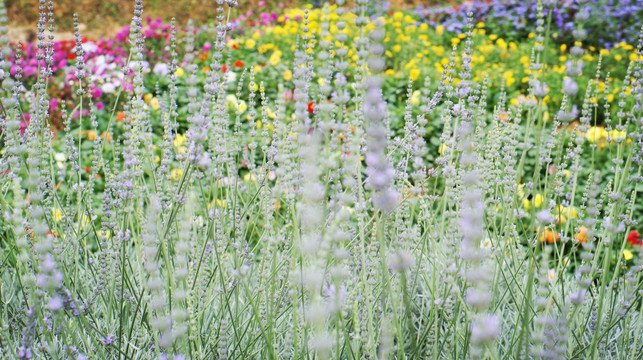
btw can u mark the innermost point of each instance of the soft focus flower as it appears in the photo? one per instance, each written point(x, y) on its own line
point(287, 75)
point(634, 238)
point(161, 69)
point(108, 87)
point(597, 134)
point(627, 254)
point(56, 215)
point(275, 58)
point(179, 72)
point(581, 235)
point(415, 73)
point(548, 236)
point(91, 134)
point(176, 174)
point(242, 107)
point(538, 200)
point(154, 103)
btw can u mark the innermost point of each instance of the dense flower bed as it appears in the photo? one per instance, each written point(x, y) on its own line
point(607, 23)
point(320, 183)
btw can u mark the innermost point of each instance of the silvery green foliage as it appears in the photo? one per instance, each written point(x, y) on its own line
point(323, 234)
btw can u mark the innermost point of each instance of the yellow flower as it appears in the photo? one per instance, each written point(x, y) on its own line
point(179, 140)
point(596, 134)
point(442, 149)
point(287, 75)
point(614, 134)
point(251, 43)
point(148, 97)
point(501, 44)
point(397, 48)
point(275, 58)
point(415, 73)
point(415, 97)
point(526, 204)
point(480, 25)
point(231, 102)
point(253, 87)
point(56, 214)
point(538, 200)
point(249, 177)
point(627, 255)
point(439, 30)
point(179, 72)
point(154, 103)
point(91, 135)
point(242, 107)
point(271, 114)
point(176, 174)
point(389, 72)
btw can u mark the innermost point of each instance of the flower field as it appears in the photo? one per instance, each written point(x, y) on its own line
point(349, 181)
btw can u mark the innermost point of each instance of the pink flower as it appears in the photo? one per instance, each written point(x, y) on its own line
point(100, 106)
point(96, 93)
point(26, 119)
point(53, 104)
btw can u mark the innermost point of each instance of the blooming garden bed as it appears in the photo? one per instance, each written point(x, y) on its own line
point(339, 182)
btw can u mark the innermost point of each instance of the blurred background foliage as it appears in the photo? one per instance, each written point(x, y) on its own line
point(105, 17)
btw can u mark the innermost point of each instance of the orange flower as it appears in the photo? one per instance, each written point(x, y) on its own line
point(581, 235)
point(107, 136)
point(203, 57)
point(549, 236)
point(120, 116)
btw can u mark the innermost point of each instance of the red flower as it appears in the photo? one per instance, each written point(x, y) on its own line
point(634, 238)
point(238, 63)
point(235, 46)
point(71, 56)
point(311, 107)
point(224, 68)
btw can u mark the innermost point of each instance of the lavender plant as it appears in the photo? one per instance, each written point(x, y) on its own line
point(255, 229)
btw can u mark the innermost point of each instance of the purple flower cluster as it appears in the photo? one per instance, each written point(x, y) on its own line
point(610, 21)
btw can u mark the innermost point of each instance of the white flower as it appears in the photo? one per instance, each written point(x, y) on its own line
point(60, 157)
point(161, 69)
point(232, 77)
point(108, 88)
point(551, 275)
point(89, 47)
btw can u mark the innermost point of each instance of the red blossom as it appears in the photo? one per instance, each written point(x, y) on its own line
point(634, 238)
point(238, 63)
point(235, 46)
point(311, 107)
point(224, 68)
